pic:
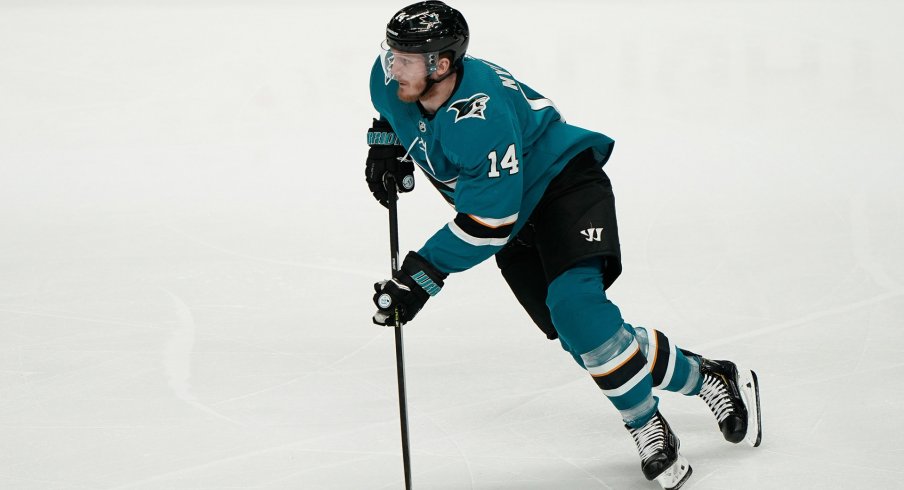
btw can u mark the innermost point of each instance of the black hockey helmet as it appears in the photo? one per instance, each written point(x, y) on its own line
point(429, 27)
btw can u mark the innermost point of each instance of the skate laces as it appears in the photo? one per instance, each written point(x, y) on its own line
point(715, 393)
point(650, 438)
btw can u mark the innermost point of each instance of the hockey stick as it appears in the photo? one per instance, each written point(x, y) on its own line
point(393, 198)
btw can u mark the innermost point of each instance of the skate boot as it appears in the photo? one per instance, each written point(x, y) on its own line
point(659, 457)
point(733, 395)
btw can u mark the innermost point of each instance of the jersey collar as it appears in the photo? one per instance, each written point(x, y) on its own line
point(460, 76)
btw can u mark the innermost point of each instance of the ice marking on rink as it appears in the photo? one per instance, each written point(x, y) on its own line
point(177, 358)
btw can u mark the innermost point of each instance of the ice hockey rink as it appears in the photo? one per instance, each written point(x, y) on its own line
point(188, 247)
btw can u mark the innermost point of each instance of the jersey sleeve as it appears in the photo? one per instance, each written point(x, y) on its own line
point(487, 194)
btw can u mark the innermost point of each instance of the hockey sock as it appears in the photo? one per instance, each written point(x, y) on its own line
point(671, 368)
point(591, 326)
point(575, 355)
point(619, 368)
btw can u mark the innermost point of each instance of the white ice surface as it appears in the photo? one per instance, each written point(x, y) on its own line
point(187, 247)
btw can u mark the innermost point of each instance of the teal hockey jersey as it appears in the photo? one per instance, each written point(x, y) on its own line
point(491, 150)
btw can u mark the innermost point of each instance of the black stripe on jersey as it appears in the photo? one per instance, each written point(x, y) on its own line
point(478, 230)
point(440, 185)
point(661, 357)
point(444, 189)
point(623, 373)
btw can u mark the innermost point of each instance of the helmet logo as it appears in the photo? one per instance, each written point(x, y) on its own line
point(428, 27)
point(429, 20)
point(473, 106)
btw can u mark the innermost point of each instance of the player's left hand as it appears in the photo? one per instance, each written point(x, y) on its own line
point(386, 157)
point(408, 290)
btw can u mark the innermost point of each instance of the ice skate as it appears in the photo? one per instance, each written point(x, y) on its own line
point(659, 457)
point(733, 395)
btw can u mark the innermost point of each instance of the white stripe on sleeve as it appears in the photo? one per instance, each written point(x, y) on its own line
point(473, 240)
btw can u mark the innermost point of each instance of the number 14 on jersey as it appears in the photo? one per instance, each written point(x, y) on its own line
point(509, 162)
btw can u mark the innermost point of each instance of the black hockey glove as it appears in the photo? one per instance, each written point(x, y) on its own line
point(385, 157)
point(408, 290)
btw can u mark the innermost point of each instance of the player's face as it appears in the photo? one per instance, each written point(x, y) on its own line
point(410, 70)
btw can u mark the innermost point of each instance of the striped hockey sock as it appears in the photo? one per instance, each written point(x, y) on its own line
point(619, 368)
point(591, 326)
point(670, 368)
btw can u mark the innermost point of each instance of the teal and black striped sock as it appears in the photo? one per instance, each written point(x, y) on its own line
point(671, 368)
point(619, 368)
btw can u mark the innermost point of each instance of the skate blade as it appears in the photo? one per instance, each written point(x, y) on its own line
point(750, 392)
point(676, 475)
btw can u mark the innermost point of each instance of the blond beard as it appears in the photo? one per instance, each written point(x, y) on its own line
point(415, 94)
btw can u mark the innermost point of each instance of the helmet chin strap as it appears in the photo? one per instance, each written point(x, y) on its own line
point(431, 82)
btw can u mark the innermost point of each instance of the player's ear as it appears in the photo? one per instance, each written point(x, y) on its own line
point(443, 65)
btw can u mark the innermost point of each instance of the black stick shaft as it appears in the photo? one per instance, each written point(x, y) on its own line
point(400, 357)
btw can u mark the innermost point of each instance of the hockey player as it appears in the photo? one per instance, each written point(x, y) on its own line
point(531, 190)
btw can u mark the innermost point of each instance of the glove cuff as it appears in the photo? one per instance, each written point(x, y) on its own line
point(416, 268)
point(382, 134)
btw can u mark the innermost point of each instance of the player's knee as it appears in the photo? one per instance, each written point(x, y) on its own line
point(567, 293)
point(580, 310)
point(570, 310)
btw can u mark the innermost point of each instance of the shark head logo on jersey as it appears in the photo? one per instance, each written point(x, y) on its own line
point(473, 106)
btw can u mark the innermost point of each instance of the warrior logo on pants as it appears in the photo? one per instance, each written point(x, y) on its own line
point(593, 234)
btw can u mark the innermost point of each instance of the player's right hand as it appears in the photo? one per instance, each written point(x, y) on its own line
point(407, 291)
point(385, 157)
